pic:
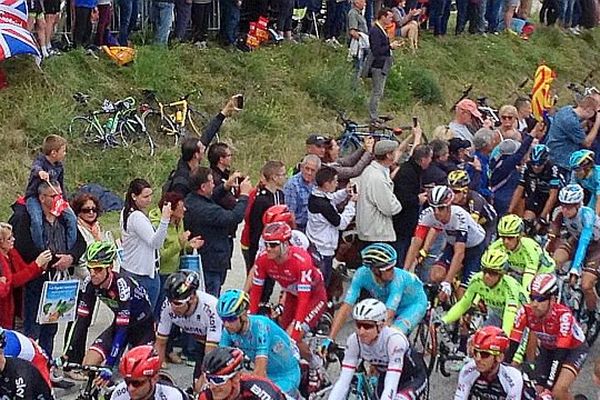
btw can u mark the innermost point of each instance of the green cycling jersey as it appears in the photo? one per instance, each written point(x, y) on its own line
point(504, 300)
point(527, 260)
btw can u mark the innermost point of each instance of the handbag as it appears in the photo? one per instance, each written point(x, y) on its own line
point(193, 262)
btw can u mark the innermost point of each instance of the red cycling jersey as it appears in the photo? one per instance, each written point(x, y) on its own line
point(558, 329)
point(297, 276)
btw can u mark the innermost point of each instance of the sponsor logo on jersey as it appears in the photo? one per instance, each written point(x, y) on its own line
point(260, 393)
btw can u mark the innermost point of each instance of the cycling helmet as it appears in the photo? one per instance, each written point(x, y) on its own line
point(223, 361)
point(458, 178)
point(494, 259)
point(277, 232)
point(580, 158)
point(278, 213)
point(2, 338)
point(544, 285)
point(181, 285)
point(233, 303)
point(139, 362)
point(440, 196)
point(571, 194)
point(539, 154)
point(379, 255)
point(102, 253)
point(510, 225)
point(490, 338)
point(370, 310)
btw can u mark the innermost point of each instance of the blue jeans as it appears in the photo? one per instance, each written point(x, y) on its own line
point(44, 334)
point(128, 13)
point(152, 285)
point(213, 280)
point(163, 19)
point(493, 14)
point(369, 12)
point(36, 215)
point(182, 22)
point(566, 12)
point(436, 11)
point(230, 20)
point(461, 16)
point(336, 18)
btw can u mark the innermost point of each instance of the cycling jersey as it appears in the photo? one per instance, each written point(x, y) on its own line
point(264, 338)
point(590, 183)
point(503, 300)
point(480, 210)
point(527, 260)
point(20, 346)
point(301, 280)
point(404, 294)
point(252, 387)
point(132, 314)
point(507, 384)
point(461, 228)
point(585, 227)
point(161, 392)
point(203, 323)
point(391, 356)
point(21, 380)
point(539, 183)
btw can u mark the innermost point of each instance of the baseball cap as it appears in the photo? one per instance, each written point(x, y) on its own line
point(455, 144)
point(385, 146)
point(469, 105)
point(317, 140)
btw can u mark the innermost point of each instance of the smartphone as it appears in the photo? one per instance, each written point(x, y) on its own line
point(238, 180)
point(415, 122)
point(354, 188)
point(239, 101)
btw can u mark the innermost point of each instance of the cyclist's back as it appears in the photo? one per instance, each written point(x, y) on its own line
point(20, 346)
point(21, 380)
point(481, 211)
point(591, 183)
point(252, 387)
point(506, 385)
point(162, 391)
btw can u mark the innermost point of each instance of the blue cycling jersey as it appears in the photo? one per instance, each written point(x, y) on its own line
point(264, 338)
point(585, 227)
point(590, 183)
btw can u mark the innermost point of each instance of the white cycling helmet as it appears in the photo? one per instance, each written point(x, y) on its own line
point(571, 194)
point(369, 310)
point(440, 196)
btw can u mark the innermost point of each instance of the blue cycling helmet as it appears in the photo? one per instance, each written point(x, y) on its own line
point(233, 303)
point(539, 154)
point(381, 256)
point(580, 158)
point(571, 194)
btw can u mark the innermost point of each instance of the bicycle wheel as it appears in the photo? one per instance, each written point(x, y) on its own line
point(348, 145)
point(161, 129)
point(86, 129)
point(425, 342)
point(135, 135)
point(195, 121)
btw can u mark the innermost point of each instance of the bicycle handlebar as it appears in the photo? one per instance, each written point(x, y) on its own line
point(91, 369)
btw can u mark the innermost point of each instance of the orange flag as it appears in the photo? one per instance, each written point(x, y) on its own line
point(540, 94)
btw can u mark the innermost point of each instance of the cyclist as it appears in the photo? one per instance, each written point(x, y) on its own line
point(401, 291)
point(17, 345)
point(274, 354)
point(401, 370)
point(539, 184)
point(526, 257)
point(225, 381)
point(20, 379)
point(465, 241)
point(486, 376)
point(133, 323)
point(501, 294)
point(587, 175)
point(193, 311)
point(472, 202)
point(139, 368)
point(562, 347)
point(582, 245)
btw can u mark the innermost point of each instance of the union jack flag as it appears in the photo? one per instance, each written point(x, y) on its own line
point(14, 36)
point(13, 11)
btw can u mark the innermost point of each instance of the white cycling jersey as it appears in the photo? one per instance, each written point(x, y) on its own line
point(204, 321)
point(461, 227)
point(507, 385)
point(386, 354)
point(161, 392)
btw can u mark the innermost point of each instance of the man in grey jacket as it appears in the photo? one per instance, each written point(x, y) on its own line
point(376, 201)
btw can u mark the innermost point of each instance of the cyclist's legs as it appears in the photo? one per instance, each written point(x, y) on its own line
point(563, 252)
point(571, 365)
point(588, 285)
point(100, 349)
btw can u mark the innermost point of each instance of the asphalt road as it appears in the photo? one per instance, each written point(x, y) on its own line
point(440, 387)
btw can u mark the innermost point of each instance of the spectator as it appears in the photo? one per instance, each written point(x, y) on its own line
point(298, 188)
point(464, 114)
point(141, 242)
point(376, 204)
point(230, 20)
point(485, 141)
point(36, 23)
point(183, 9)
point(443, 132)
point(205, 218)
point(284, 18)
point(381, 59)
point(358, 31)
point(55, 231)
point(461, 158)
point(337, 10)
point(324, 220)
point(406, 25)
point(219, 157)
point(352, 165)
point(163, 19)
point(105, 11)
point(409, 190)
point(509, 121)
point(200, 16)
point(82, 31)
point(566, 134)
point(437, 172)
point(437, 21)
point(15, 273)
point(128, 13)
point(523, 106)
point(509, 9)
point(317, 145)
point(51, 15)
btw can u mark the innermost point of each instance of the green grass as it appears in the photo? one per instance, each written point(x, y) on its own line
point(290, 91)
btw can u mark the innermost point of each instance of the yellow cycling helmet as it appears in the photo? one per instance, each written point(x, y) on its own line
point(458, 178)
point(495, 259)
point(510, 225)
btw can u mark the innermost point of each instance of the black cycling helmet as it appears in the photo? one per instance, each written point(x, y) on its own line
point(181, 285)
point(223, 361)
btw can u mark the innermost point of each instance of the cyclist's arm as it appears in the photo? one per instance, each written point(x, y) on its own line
point(261, 345)
point(517, 197)
point(421, 234)
point(163, 330)
point(549, 206)
point(87, 302)
point(396, 347)
point(583, 243)
point(532, 265)
point(461, 307)
point(430, 238)
point(121, 322)
point(510, 311)
point(467, 376)
point(258, 282)
point(340, 319)
point(352, 295)
point(304, 294)
point(457, 261)
point(342, 385)
point(516, 334)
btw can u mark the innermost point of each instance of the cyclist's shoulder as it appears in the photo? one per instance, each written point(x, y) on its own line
point(510, 377)
point(256, 387)
point(529, 245)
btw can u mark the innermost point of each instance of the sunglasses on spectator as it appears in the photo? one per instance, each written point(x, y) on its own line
point(88, 210)
point(507, 117)
point(539, 297)
point(180, 302)
point(219, 380)
point(135, 383)
point(484, 354)
point(272, 245)
point(365, 325)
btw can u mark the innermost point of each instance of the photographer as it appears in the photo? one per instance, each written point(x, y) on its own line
point(460, 157)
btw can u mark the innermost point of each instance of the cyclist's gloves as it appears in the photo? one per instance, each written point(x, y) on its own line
point(105, 374)
point(326, 345)
point(446, 288)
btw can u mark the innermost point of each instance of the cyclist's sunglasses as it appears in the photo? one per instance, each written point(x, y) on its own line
point(540, 298)
point(490, 271)
point(180, 302)
point(484, 354)
point(135, 383)
point(460, 190)
point(272, 245)
point(365, 325)
point(218, 380)
point(230, 319)
point(378, 269)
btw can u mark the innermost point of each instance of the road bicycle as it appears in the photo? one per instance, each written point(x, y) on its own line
point(168, 122)
point(89, 391)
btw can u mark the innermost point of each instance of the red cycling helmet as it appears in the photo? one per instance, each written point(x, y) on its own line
point(490, 338)
point(139, 362)
point(277, 232)
point(278, 213)
point(544, 285)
